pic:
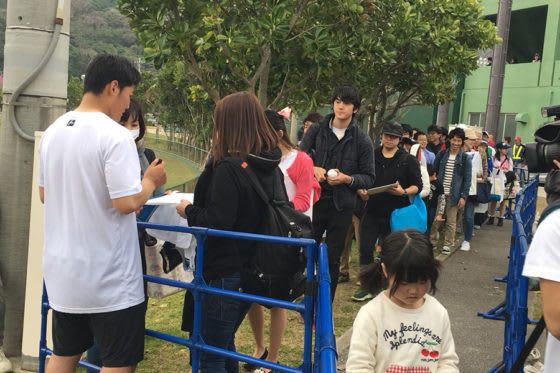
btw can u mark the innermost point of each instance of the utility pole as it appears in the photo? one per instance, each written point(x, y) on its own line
point(34, 95)
point(443, 115)
point(497, 69)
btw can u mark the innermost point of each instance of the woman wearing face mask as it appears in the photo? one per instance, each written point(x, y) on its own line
point(133, 120)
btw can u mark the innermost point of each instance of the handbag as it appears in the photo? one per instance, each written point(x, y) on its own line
point(412, 216)
point(498, 182)
point(154, 268)
point(483, 192)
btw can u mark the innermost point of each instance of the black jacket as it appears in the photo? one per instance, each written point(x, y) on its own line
point(352, 155)
point(224, 199)
point(402, 167)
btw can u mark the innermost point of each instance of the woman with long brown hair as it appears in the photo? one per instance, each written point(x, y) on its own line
point(226, 200)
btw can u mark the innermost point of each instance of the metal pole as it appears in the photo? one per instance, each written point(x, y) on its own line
point(497, 69)
point(35, 81)
point(443, 114)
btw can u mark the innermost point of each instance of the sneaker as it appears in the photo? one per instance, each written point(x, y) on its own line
point(343, 277)
point(465, 246)
point(477, 227)
point(361, 295)
point(446, 250)
point(5, 364)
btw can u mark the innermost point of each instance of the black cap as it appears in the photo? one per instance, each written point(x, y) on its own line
point(501, 145)
point(392, 128)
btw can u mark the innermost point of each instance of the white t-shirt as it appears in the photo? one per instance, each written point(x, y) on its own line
point(543, 261)
point(389, 338)
point(91, 257)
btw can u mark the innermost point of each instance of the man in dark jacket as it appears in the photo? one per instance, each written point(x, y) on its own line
point(391, 165)
point(343, 163)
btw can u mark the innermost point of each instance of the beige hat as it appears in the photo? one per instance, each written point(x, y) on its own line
point(470, 134)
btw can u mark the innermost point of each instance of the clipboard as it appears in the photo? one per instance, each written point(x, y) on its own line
point(380, 189)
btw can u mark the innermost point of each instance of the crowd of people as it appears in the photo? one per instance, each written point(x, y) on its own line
point(93, 266)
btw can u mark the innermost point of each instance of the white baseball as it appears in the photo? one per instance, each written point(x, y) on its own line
point(332, 173)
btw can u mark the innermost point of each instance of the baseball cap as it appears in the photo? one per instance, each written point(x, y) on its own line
point(392, 128)
point(485, 133)
point(517, 138)
point(501, 145)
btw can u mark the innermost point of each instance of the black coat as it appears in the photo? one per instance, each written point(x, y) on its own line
point(352, 155)
point(225, 200)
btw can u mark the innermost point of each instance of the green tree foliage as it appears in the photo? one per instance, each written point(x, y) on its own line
point(410, 52)
point(278, 49)
point(97, 27)
point(295, 52)
point(75, 91)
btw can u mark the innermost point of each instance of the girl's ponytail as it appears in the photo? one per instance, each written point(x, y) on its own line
point(372, 278)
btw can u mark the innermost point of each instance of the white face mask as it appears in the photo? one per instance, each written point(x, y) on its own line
point(135, 133)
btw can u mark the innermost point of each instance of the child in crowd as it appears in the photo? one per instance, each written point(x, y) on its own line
point(403, 329)
point(435, 202)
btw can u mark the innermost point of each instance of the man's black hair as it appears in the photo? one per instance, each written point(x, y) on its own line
point(348, 94)
point(433, 128)
point(418, 134)
point(407, 128)
point(457, 132)
point(105, 68)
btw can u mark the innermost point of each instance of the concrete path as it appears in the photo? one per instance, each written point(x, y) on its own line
point(466, 286)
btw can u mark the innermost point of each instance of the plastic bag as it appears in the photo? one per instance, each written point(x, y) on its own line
point(413, 216)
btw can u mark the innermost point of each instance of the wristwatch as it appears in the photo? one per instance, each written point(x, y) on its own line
point(405, 193)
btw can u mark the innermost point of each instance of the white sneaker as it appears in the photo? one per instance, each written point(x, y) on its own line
point(465, 246)
point(446, 250)
point(5, 364)
point(477, 227)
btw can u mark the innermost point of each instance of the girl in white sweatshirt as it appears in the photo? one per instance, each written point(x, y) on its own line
point(403, 329)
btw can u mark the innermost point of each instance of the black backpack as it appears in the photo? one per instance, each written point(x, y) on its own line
point(273, 260)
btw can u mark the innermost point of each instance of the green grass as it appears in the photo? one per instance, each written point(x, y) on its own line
point(165, 315)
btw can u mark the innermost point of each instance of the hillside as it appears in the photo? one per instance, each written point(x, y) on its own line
point(96, 26)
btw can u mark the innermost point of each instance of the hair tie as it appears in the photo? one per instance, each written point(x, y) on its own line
point(285, 113)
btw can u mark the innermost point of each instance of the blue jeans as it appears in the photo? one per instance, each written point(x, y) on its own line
point(520, 172)
point(221, 316)
point(468, 219)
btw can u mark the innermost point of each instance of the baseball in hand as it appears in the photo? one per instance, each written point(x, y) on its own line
point(332, 173)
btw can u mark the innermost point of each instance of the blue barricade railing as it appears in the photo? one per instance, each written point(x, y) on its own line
point(514, 309)
point(325, 346)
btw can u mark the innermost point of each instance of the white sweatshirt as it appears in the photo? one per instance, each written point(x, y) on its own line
point(387, 338)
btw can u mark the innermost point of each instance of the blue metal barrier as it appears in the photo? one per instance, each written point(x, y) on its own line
point(325, 346)
point(514, 309)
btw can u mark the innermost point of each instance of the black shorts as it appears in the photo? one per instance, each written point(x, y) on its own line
point(119, 334)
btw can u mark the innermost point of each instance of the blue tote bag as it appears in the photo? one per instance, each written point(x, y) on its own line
point(412, 216)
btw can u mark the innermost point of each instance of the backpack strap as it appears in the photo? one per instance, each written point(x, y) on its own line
point(251, 176)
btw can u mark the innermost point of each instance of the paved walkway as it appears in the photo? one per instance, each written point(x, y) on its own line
point(466, 286)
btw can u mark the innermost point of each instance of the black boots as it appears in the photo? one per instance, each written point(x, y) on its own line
point(500, 222)
point(490, 221)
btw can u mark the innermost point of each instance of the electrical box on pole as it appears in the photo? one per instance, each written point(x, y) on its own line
point(34, 95)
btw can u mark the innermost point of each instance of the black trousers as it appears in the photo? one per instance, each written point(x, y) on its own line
point(336, 223)
point(372, 229)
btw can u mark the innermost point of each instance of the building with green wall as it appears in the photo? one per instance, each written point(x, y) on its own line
point(528, 86)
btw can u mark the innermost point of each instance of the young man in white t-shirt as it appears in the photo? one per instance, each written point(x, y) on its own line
point(89, 181)
point(543, 262)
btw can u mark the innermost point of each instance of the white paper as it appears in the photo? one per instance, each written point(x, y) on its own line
point(171, 199)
